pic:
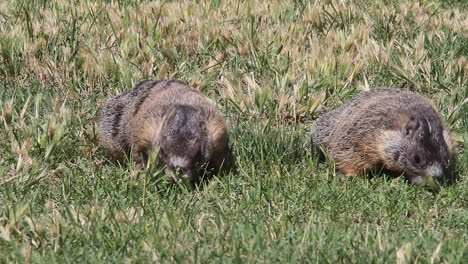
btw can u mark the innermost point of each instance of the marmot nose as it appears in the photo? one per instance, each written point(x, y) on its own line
point(188, 173)
point(180, 172)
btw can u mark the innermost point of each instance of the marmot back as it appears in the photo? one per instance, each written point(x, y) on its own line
point(399, 130)
point(168, 116)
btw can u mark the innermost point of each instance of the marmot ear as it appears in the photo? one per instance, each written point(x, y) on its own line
point(411, 126)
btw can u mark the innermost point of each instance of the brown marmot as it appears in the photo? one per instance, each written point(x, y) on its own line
point(168, 116)
point(399, 130)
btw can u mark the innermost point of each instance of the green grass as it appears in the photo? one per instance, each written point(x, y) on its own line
point(272, 67)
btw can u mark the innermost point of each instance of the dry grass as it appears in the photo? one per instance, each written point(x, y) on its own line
point(254, 49)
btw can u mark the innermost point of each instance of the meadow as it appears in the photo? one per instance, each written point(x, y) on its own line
point(272, 67)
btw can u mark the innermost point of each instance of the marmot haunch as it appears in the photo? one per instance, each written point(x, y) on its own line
point(168, 116)
point(399, 130)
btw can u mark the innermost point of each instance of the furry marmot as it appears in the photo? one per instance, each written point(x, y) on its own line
point(399, 130)
point(168, 116)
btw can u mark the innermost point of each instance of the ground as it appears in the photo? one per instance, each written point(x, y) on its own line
point(272, 67)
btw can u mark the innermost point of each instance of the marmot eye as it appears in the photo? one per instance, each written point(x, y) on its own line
point(417, 159)
point(407, 131)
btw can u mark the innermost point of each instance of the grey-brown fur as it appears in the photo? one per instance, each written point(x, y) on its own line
point(399, 130)
point(169, 116)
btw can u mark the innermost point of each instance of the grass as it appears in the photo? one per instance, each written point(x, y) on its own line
point(272, 67)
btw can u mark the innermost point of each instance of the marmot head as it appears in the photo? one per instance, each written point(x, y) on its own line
point(183, 142)
point(422, 150)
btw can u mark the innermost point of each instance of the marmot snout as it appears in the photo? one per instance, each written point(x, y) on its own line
point(399, 130)
point(167, 116)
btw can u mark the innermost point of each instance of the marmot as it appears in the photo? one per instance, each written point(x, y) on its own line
point(399, 130)
point(168, 116)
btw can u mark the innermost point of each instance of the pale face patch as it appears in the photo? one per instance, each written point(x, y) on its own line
point(435, 170)
point(179, 162)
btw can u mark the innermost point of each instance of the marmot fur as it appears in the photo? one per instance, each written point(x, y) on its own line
point(168, 116)
point(399, 130)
